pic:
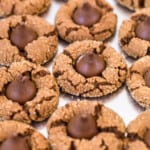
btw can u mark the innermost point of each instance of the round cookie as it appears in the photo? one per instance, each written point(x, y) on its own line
point(138, 80)
point(81, 20)
point(134, 4)
point(19, 7)
point(134, 34)
point(19, 136)
point(90, 69)
point(139, 132)
point(28, 92)
point(26, 38)
point(76, 116)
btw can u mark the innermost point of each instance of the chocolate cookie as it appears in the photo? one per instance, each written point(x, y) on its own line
point(134, 4)
point(19, 136)
point(19, 7)
point(135, 34)
point(28, 92)
point(26, 37)
point(138, 81)
point(90, 19)
point(90, 69)
point(139, 133)
point(87, 125)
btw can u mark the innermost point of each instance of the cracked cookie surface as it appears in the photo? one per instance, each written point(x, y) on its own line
point(139, 132)
point(70, 31)
point(40, 105)
point(110, 127)
point(72, 82)
point(34, 139)
point(134, 34)
point(137, 84)
point(19, 7)
point(135, 4)
point(26, 38)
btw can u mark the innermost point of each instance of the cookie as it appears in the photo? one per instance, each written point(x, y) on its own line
point(81, 20)
point(85, 125)
point(138, 81)
point(139, 133)
point(19, 136)
point(26, 38)
point(28, 92)
point(90, 69)
point(62, 0)
point(134, 4)
point(134, 34)
point(19, 7)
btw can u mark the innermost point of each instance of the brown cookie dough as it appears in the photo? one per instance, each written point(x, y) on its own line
point(93, 20)
point(109, 127)
point(19, 81)
point(139, 133)
point(19, 7)
point(134, 34)
point(16, 135)
point(134, 4)
point(134, 144)
point(101, 76)
point(62, 0)
point(26, 37)
point(138, 81)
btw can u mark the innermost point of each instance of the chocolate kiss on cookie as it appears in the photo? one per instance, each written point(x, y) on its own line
point(82, 126)
point(86, 15)
point(143, 30)
point(90, 64)
point(22, 35)
point(15, 143)
point(21, 90)
point(147, 78)
point(147, 137)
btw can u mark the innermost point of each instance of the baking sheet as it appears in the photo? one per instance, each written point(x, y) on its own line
point(120, 101)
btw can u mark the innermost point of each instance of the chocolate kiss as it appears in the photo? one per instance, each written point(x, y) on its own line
point(21, 90)
point(82, 126)
point(90, 64)
point(143, 30)
point(15, 143)
point(86, 15)
point(22, 35)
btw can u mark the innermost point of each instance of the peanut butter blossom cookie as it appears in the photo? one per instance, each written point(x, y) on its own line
point(138, 81)
point(139, 133)
point(89, 69)
point(90, 19)
point(19, 136)
point(22, 7)
point(28, 92)
point(135, 4)
point(26, 38)
point(85, 125)
point(135, 34)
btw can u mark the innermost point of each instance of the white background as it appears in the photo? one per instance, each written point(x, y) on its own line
point(120, 101)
